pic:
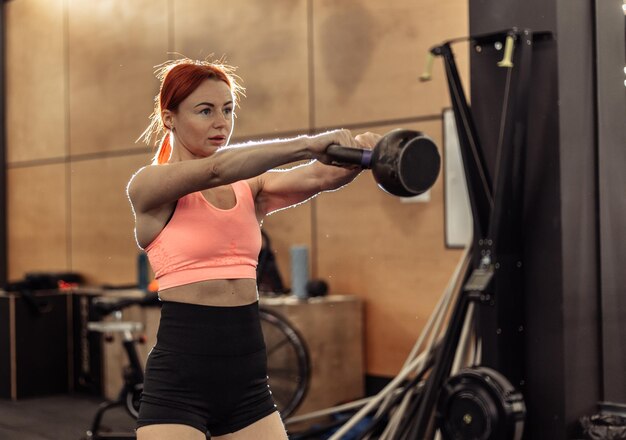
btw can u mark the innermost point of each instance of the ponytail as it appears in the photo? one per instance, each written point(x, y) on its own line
point(165, 150)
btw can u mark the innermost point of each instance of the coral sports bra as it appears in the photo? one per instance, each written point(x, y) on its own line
point(202, 242)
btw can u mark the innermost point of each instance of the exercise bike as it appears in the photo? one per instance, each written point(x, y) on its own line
point(132, 388)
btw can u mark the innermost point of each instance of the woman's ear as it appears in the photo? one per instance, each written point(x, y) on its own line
point(167, 117)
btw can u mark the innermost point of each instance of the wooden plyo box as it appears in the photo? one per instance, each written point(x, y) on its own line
point(332, 328)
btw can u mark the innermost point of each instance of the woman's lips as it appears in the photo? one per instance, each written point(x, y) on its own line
point(217, 140)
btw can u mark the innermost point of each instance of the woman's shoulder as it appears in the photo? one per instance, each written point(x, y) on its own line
point(138, 177)
point(148, 172)
point(143, 181)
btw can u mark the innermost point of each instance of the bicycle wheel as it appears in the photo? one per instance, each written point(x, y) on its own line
point(132, 400)
point(288, 364)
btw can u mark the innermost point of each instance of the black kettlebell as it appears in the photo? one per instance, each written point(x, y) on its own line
point(404, 163)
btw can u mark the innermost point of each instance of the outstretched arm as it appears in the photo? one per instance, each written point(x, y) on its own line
point(279, 189)
point(158, 185)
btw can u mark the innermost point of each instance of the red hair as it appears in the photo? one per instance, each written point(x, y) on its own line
point(179, 79)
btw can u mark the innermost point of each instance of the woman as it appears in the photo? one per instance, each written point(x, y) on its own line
point(197, 214)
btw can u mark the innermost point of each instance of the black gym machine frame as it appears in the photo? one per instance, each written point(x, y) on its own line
point(478, 402)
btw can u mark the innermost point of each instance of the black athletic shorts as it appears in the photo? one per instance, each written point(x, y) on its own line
point(208, 369)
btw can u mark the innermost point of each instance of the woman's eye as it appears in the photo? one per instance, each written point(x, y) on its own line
point(228, 111)
point(206, 111)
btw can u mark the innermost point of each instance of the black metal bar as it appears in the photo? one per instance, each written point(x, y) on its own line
point(134, 363)
point(611, 157)
point(479, 184)
point(503, 325)
point(505, 222)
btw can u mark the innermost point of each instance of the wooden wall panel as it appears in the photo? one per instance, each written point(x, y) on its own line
point(389, 253)
point(369, 54)
point(113, 48)
point(37, 237)
point(35, 80)
point(288, 228)
point(267, 41)
point(102, 242)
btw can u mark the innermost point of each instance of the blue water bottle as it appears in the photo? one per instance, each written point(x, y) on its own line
point(299, 271)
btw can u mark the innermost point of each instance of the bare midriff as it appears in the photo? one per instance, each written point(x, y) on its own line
point(221, 293)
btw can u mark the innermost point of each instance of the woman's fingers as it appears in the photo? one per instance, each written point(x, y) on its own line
point(367, 140)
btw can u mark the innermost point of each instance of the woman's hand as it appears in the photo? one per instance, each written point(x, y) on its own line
point(367, 140)
point(319, 143)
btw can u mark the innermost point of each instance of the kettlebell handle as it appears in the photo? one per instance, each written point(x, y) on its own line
point(350, 155)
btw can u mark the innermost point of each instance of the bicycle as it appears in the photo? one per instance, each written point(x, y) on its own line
point(288, 361)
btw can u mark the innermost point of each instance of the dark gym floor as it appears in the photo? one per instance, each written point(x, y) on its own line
point(62, 417)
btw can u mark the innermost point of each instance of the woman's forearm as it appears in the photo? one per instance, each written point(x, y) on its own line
point(239, 162)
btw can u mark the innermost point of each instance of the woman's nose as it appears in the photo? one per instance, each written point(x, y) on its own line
point(220, 120)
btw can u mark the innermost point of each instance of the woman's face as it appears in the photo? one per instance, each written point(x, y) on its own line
point(204, 120)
